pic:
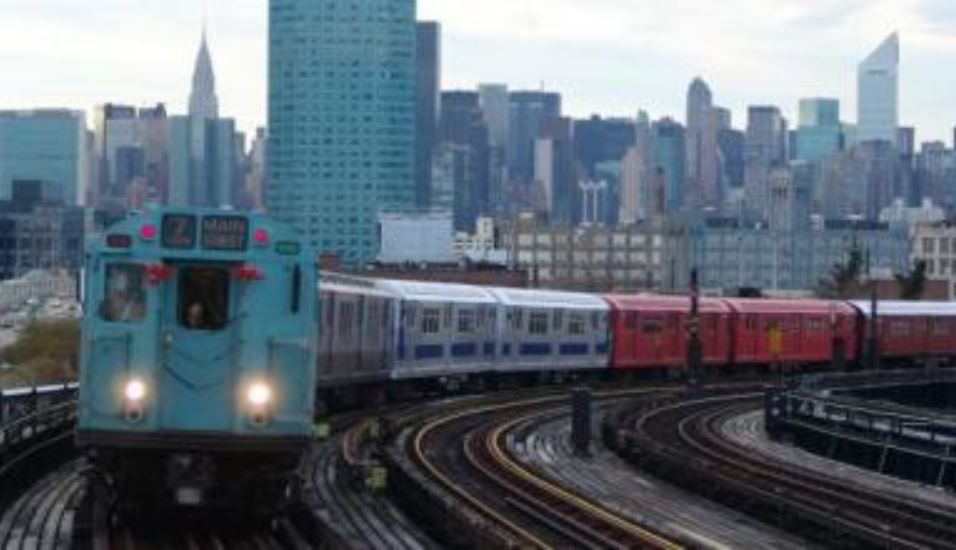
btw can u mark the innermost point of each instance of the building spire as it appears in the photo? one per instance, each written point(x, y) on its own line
point(203, 103)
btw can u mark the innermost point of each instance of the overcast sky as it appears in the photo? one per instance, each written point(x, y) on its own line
point(606, 56)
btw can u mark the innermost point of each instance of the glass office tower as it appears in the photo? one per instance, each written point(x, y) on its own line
point(342, 123)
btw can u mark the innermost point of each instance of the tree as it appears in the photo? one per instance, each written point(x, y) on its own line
point(45, 352)
point(913, 284)
point(845, 279)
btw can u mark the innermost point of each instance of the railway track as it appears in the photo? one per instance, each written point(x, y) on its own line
point(336, 496)
point(684, 442)
point(465, 452)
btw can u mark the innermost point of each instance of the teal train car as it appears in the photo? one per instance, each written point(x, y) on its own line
point(199, 345)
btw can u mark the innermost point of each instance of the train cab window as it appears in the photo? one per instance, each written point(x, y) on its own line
point(125, 298)
point(204, 298)
point(430, 321)
point(538, 323)
point(466, 321)
point(576, 323)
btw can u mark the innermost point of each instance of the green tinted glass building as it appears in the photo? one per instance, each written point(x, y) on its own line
point(341, 118)
point(48, 146)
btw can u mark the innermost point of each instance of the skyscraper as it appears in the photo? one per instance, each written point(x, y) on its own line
point(203, 159)
point(461, 123)
point(670, 161)
point(878, 93)
point(528, 112)
point(819, 133)
point(341, 119)
point(203, 102)
point(495, 109)
point(701, 159)
point(48, 147)
point(427, 90)
point(130, 156)
point(554, 173)
point(766, 148)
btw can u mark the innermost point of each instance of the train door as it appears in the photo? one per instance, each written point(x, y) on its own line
point(200, 349)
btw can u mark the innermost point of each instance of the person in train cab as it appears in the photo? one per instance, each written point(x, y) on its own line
point(195, 316)
point(123, 303)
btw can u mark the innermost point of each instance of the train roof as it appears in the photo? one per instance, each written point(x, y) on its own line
point(436, 292)
point(760, 306)
point(549, 299)
point(342, 287)
point(653, 302)
point(906, 309)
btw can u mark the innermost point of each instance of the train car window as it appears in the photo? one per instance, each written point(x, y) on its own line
point(518, 319)
point(125, 298)
point(538, 323)
point(652, 326)
point(940, 328)
point(900, 328)
point(410, 316)
point(576, 323)
point(466, 321)
point(595, 321)
point(204, 298)
point(558, 320)
point(751, 322)
point(814, 325)
point(296, 289)
point(346, 318)
point(447, 323)
point(630, 321)
point(431, 318)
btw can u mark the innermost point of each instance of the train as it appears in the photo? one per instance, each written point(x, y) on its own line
point(211, 342)
point(455, 336)
point(197, 329)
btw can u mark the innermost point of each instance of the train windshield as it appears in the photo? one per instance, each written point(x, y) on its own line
point(204, 298)
point(125, 298)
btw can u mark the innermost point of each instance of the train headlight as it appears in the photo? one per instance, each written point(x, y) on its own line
point(259, 394)
point(135, 391)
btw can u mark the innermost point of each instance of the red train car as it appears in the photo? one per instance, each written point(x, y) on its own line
point(651, 331)
point(791, 331)
point(912, 329)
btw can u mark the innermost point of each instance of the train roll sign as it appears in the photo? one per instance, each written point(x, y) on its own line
point(230, 233)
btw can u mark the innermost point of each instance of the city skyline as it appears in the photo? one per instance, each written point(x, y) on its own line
point(616, 57)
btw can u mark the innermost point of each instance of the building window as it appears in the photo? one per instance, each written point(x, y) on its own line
point(538, 323)
point(125, 300)
point(430, 321)
point(944, 246)
point(929, 245)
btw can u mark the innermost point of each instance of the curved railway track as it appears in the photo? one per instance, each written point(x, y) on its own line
point(466, 453)
point(684, 442)
point(45, 515)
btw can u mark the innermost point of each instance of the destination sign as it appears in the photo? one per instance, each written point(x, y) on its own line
point(225, 233)
point(179, 231)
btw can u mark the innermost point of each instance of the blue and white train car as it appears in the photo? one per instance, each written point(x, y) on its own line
point(355, 332)
point(198, 351)
point(442, 330)
point(545, 330)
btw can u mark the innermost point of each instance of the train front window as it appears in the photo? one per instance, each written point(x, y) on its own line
point(204, 298)
point(125, 299)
